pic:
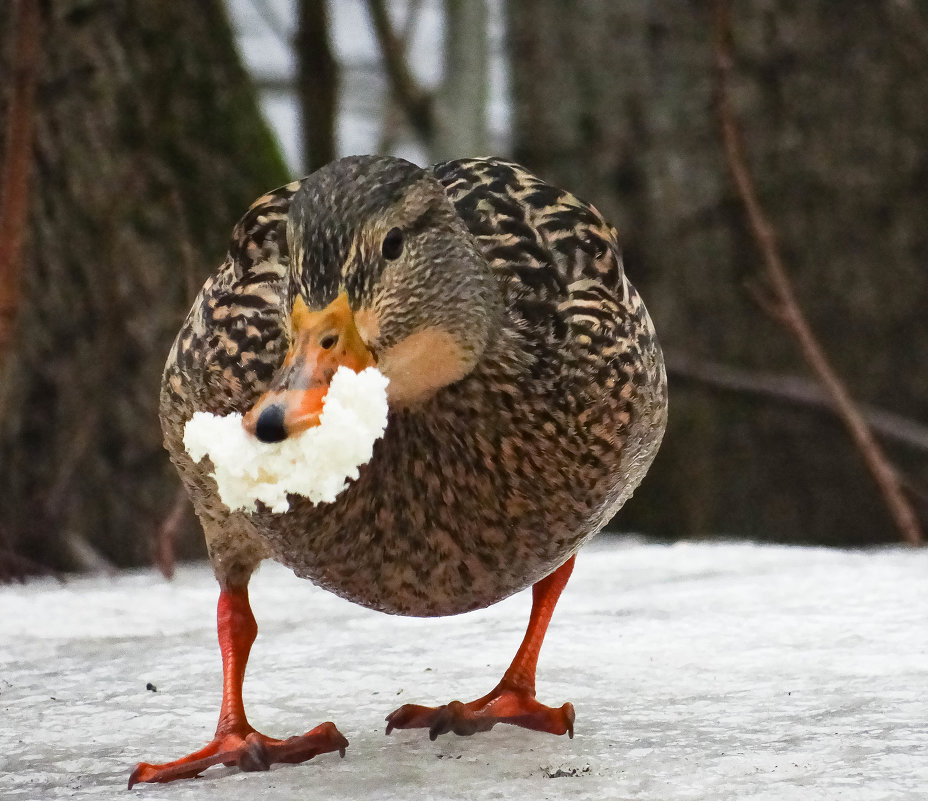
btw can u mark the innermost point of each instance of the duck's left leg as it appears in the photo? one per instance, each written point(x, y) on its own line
point(513, 699)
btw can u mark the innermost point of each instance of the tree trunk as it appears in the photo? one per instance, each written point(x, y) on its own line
point(317, 84)
point(461, 103)
point(148, 147)
point(830, 98)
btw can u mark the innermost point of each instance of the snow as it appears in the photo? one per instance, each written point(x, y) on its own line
point(316, 463)
point(699, 671)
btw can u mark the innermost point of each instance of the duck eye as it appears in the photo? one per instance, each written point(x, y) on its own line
point(328, 341)
point(392, 244)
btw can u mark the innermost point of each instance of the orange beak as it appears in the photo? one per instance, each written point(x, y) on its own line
point(322, 341)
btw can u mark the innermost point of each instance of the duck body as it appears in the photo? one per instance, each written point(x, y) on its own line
point(495, 479)
point(527, 397)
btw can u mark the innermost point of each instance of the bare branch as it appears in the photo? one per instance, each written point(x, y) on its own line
point(274, 23)
point(16, 567)
point(391, 116)
point(167, 534)
point(767, 301)
point(412, 98)
point(793, 390)
point(17, 163)
point(792, 316)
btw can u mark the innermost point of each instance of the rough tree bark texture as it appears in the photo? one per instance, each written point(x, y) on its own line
point(148, 147)
point(615, 100)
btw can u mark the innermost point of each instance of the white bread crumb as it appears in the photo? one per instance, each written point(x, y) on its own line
point(316, 463)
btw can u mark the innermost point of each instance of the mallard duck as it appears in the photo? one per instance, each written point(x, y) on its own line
point(527, 399)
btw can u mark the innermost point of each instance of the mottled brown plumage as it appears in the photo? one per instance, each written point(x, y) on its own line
point(497, 478)
point(527, 395)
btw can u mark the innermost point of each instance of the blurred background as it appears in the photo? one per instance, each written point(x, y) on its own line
point(134, 134)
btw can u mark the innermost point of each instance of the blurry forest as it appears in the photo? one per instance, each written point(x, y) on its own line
point(766, 166)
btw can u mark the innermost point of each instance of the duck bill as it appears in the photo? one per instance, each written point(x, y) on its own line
point(321, 342)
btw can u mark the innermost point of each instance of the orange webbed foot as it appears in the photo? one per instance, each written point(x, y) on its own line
point(513, 699)
point(249, 750)
point(502, 705)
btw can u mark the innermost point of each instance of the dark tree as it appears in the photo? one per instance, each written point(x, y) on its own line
point(317, 83)
point(147, 146)
point(830, 97)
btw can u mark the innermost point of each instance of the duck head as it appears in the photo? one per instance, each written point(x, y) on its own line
point(383, 272)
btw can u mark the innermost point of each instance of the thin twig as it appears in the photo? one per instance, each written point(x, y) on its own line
point(17, 164)
point(275, 24)
point(412, 98)
point(68, 465)
point(18, 568)
point(792, 316)
point(391, 116)
point(167, 534)
point(793, 390)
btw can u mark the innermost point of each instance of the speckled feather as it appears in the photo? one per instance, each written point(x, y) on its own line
point(499, 477)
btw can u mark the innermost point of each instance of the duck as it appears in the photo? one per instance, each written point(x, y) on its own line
point(527, 398)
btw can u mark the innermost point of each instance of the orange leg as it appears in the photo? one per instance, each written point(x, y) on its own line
point(236, 742)
point(513, 699)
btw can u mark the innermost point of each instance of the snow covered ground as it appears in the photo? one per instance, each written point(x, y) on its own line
point(706, 671)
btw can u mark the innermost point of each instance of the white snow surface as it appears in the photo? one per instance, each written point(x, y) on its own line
point(315, 463)
point(698, 671)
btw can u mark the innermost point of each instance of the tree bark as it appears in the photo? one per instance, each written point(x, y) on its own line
point(317, 83)
point(148, 147)
point(830, 100)
point(461, 102)
point(784, 304)
point(15, 169)
point(793, 390)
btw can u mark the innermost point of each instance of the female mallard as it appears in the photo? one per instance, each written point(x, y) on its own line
point(527, 399)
